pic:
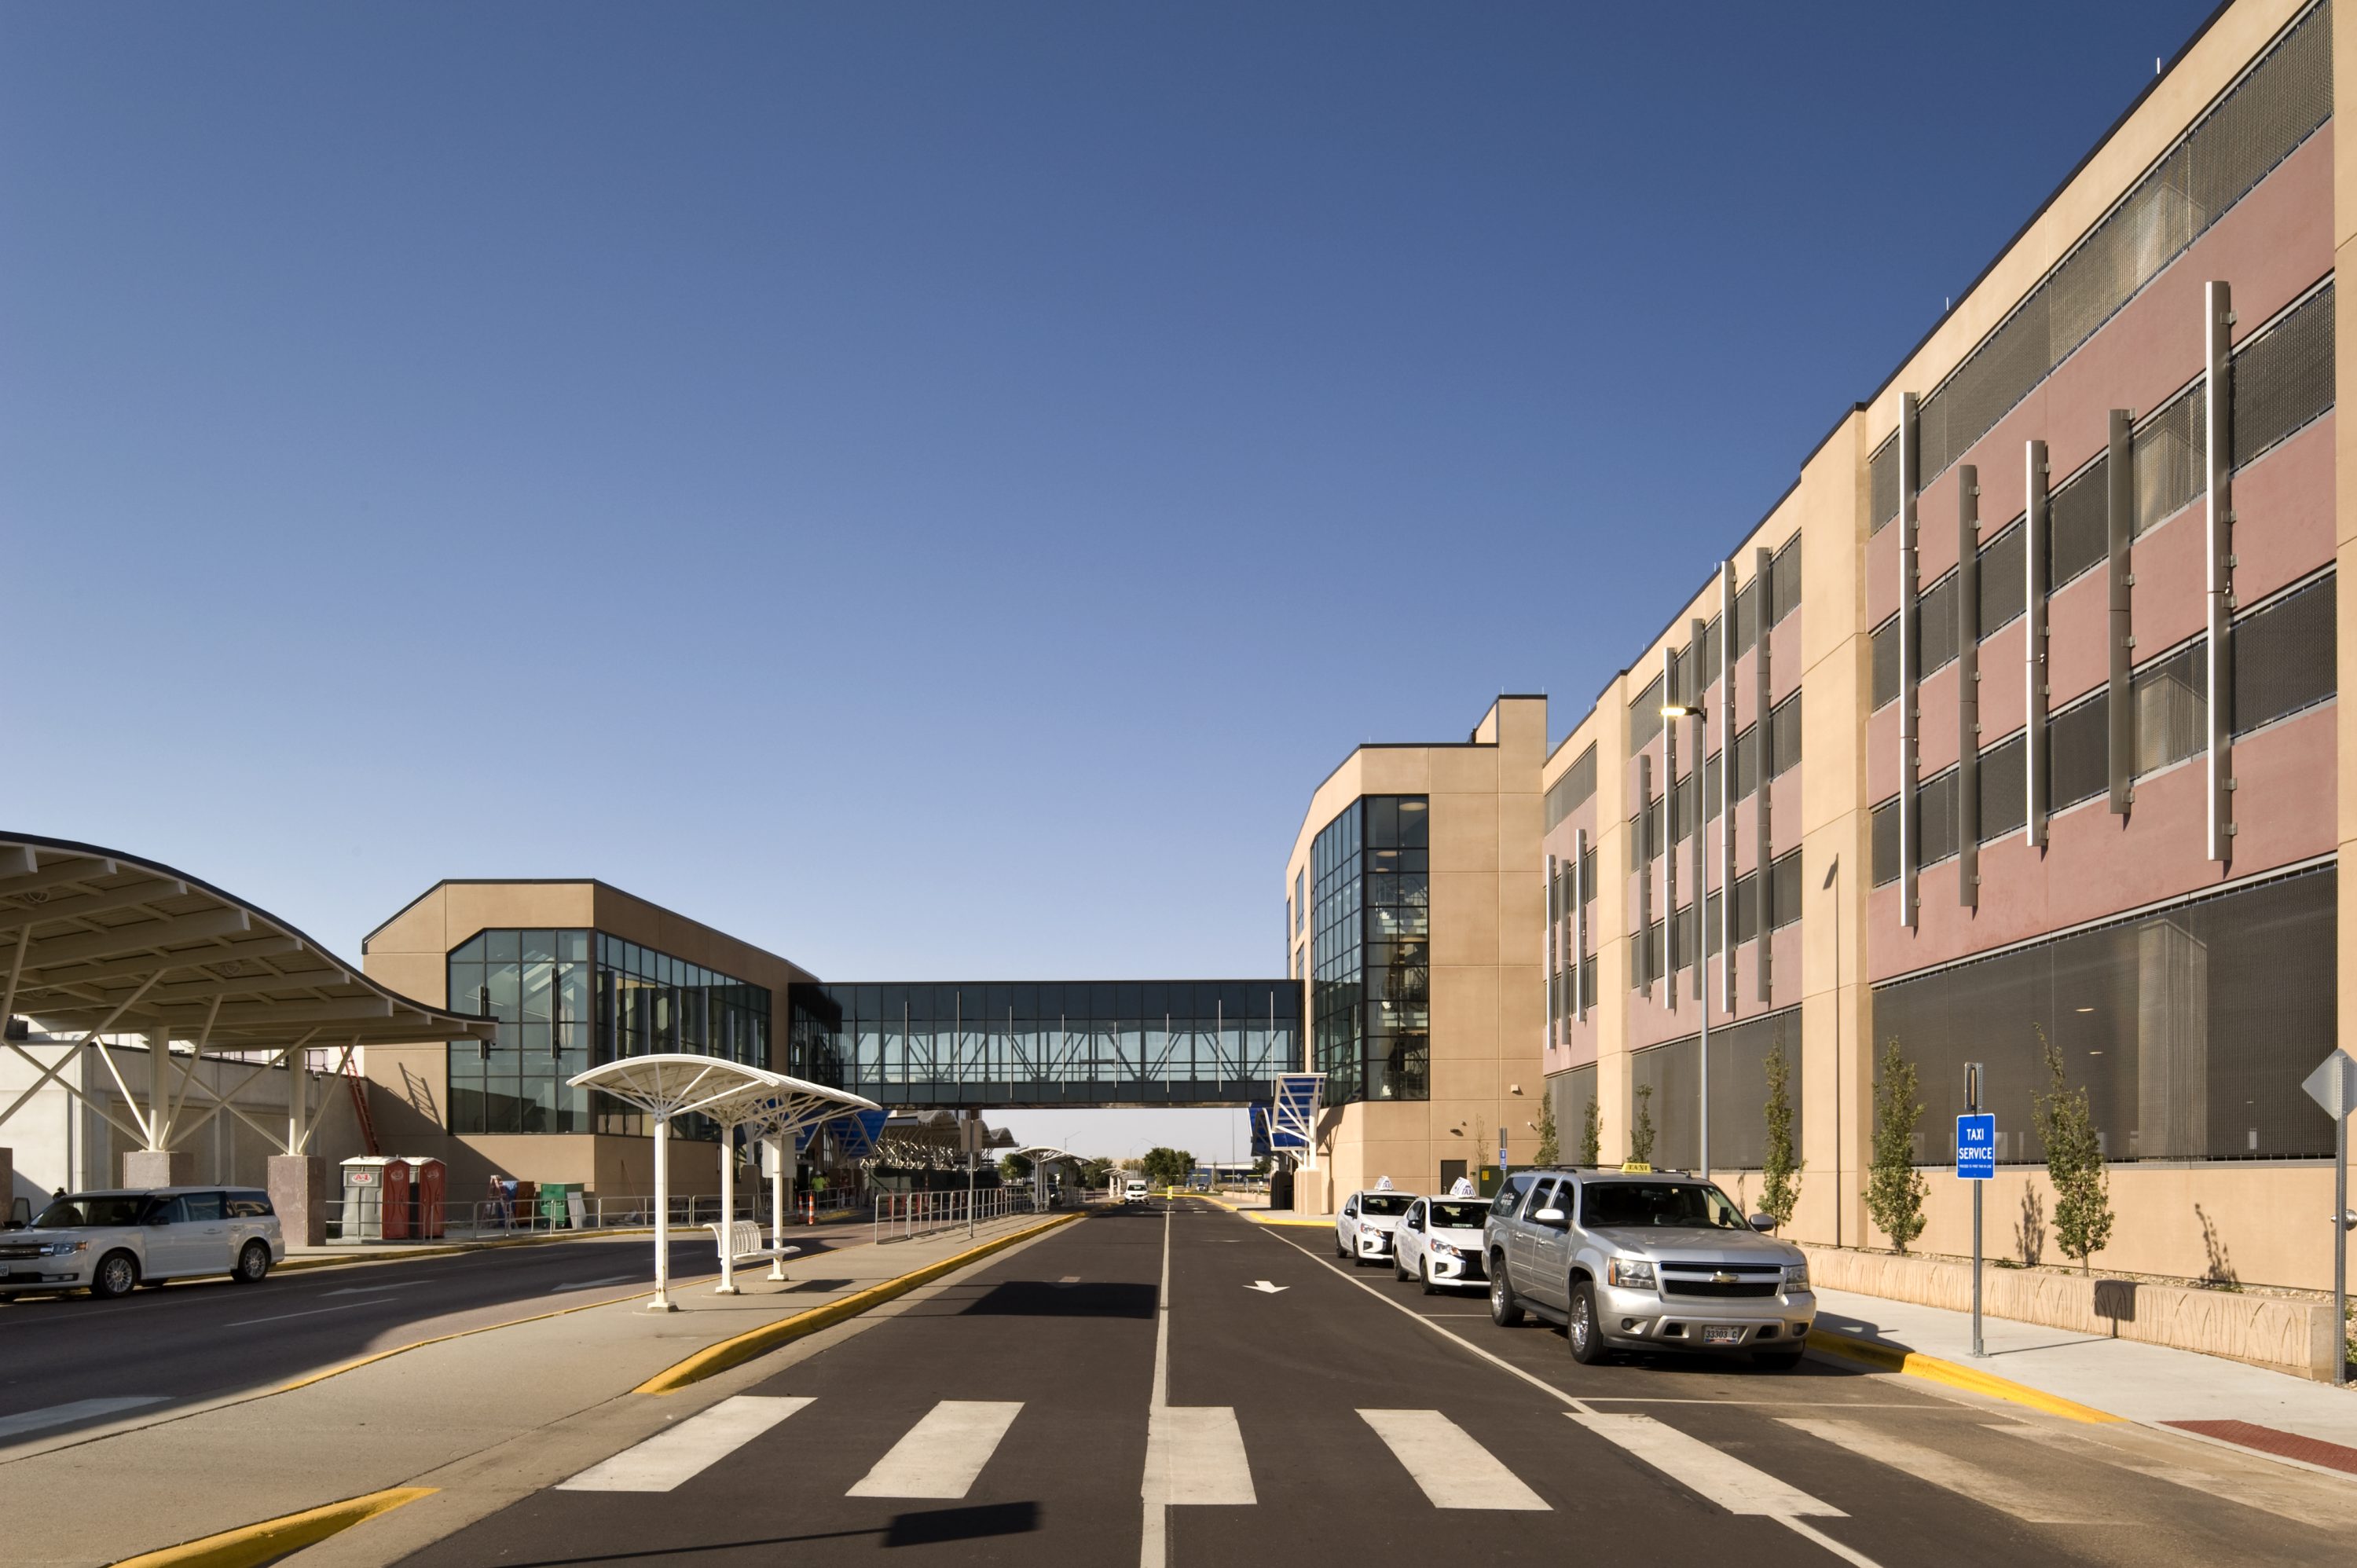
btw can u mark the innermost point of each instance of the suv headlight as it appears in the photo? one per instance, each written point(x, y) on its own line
point(1796, 1276)
point(1629, 1273)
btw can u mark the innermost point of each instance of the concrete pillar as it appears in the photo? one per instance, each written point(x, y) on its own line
point(299, 1191)
point(159, 1167)
point(8, 1184)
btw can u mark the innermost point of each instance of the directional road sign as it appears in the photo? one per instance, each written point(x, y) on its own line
point(1977, 1146)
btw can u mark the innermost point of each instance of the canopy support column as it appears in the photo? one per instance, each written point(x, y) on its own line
point(781, 1149)
point(728, 1286)
point(662, 1302)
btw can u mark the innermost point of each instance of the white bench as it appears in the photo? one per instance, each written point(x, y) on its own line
point(740, 1240)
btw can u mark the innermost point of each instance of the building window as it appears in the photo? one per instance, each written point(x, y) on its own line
point(568, 999)
point(1372, 968)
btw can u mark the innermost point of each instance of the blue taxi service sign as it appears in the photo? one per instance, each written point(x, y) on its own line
point(1977, 1146)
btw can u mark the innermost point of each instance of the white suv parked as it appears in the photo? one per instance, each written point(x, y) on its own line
point(107, 1243)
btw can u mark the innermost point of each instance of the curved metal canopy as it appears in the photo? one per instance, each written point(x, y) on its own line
point(675, 1084)
point(94, 941)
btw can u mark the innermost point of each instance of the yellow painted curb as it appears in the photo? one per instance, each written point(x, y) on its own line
point(743, 1348)
point(1890, 1358)
point(1262, 1217)
point(251, 1545)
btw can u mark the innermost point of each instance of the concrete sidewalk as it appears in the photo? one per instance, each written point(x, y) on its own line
point(484, 1412)
point(2179, 1389)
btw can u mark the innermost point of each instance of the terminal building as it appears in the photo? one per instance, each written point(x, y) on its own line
point(2011, 725)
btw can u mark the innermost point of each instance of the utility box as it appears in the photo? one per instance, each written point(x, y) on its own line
point(556, 1202)
point(370, 1211)
point(424, 1218)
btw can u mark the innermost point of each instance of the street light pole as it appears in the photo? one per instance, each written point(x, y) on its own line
point(1693, 711)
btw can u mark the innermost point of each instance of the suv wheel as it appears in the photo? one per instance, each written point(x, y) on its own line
point(253, 1263)
point(116, 1274)
point(1505, 1310)
point(1580, 1327)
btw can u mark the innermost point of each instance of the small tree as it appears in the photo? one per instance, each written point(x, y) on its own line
point(1895, 1189)
point(2074, 1163)
point(1016, 1167)
point(1641, 1132)
point(1592, 1134)
point(1167, 1167)
point(1548, 1152)
point(1780, 1175)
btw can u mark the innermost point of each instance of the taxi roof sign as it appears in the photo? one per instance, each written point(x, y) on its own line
point(1636, 1168)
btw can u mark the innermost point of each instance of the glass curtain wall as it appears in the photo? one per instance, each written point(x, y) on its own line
point(567, 999)
point(1373, 969)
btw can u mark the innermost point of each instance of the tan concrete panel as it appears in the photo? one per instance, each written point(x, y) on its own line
point(1467, 770)
point(1464, 918)
point(1464, 1010)
point(2344, 137)
point(418, 928)
point(420, 976)
point(1397, 770)
point(1465, 832)
point(482, 906)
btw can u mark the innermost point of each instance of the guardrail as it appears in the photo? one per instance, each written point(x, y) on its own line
point(482, 1220)
point(902, 1216)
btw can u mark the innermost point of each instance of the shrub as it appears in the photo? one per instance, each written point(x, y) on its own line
point(1895, 1189)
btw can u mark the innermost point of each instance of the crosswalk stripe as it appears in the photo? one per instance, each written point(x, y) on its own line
point(2007, 1493)
point(1454, 1470)
point(80, 1409)
point(1194, 1453)
point(1722, 1478)
point(679, 1452)
point(942, 1454)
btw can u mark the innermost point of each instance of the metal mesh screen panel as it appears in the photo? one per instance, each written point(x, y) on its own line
point(2003, 788)
point(1747, 907)
point(1886, 662)
point(2080, 751)
point(2002, 569)
point(1882, 481)
point(1573, 789)
point(2078, 534)
point(2190, 1030)
point(2172, 708)
point(1645, 715)
point(1657, 828)
point(1746, 762)
point(2283, 379)
point(1666, 1083)
point(1738, 1087)
point(1936, 798)
point(1785, 891)
point(2169, 465)
point(1747, 618)
point(2275, 106)
point(1935, 622)
point(2283, 655)
point(1885, 834)
point(1784, 736)
point(1572, 1092)
point(1784, 581)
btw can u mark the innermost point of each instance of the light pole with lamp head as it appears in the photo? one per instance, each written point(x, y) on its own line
point(1694, 710)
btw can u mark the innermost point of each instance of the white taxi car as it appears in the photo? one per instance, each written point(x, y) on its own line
point(1362, 1232)
point(108, 1243)
point(1439, 1242)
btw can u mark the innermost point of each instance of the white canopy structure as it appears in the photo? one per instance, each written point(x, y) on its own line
point(1041, 1154)
point(671, 1084)
point(95, 942)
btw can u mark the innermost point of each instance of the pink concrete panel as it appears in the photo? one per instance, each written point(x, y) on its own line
point(1936, 700)
point(1882, 753)
point(2078, 621)
point(2283, 509)
point(1784, 813)
point(1935, 528)
point(2005, 687)
point(2170, 599)
point(1784, 976)
point(1784, 658)
point(2097, 865)
point(1747, 817)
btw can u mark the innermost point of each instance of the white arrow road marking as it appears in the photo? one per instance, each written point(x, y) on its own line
point(1265, 1288)
point(370, 1290)
point(81, 1410)
point(592, 1284)
point(682, 1452)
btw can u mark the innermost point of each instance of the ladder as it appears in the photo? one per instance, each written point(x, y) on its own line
point(357, 1084)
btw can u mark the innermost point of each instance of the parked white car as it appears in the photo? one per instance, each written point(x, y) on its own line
point(108, 1243)
point(1133, 1191)
point(1362, 1232)
point(1439, 1242)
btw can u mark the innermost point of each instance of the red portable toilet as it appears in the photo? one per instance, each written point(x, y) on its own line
point(424, 1177)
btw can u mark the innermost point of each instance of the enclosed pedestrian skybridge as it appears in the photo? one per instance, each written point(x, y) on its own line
point(1080, 1043)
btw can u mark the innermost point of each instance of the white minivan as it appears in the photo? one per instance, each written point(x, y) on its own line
point(108, 1243)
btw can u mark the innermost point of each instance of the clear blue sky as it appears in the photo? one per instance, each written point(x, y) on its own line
point(927, 489)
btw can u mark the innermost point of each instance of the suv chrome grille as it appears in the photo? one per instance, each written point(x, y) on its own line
point(1712, 1282)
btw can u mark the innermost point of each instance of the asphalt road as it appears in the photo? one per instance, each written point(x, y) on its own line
point(70, 1361)
point(1344, 1418)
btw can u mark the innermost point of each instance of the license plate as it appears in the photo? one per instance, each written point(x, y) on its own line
point(1711, 1335)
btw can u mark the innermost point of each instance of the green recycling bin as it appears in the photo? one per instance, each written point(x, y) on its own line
point(555, 1206)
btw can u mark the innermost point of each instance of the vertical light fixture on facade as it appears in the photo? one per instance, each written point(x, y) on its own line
point(1968, 685)
point(2218, 471)
point(1910, 663)
point(1642, 953)
point(2036, 527)
point(1670, 835)
point(1553, 953)
point(1726, 924)
point(1763, 764)
point(2119, 502)
point(1697, 636)
point(1580, 897)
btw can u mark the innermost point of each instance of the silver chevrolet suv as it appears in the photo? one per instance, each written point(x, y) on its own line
point(1644, 1261)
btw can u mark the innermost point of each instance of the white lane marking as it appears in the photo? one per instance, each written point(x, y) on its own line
point(943, 1453)
point(370, 1290)
point(2030, 1504)
point(80, 1409)
point(1195, 1453)
point(592, 1284)
point(679, 1452)
point(1153, 1541)
point(1455, 1471)
point(1723, 1479)
point(283, 1316)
